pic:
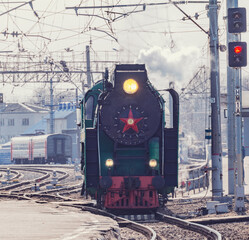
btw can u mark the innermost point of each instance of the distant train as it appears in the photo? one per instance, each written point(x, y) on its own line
point(51, 148)
point(129, 156)
point(5, 153)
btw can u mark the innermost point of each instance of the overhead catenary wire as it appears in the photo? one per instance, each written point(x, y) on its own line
point(63, 37)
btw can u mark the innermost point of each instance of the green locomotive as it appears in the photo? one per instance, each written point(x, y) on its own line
point(129, 156)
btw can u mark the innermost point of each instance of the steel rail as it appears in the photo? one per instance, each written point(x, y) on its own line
point(203, 230)
point(46, 175)
point(14, 196)
point(28, 182)
point(65, 175)
point(46, 166)
point(230, 219)
point(41, 194)
point(18, 175)
point(148, 232)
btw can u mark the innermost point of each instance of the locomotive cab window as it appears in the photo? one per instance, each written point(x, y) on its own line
point(89, 108)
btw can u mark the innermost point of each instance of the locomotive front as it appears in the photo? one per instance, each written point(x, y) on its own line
point(128, 170)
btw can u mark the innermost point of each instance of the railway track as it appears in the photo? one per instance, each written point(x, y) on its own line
point(23, 189)
point(164, 224)
point(46, 174)
point(207, 232)
point(14, 174)
point(148, 230)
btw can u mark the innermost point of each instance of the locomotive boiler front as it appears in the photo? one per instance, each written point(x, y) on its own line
point(131, 112)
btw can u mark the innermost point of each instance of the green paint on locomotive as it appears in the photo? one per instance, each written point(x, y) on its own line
point(88, 110)
point(154, 151)
point(106, 152)
point(90, 102)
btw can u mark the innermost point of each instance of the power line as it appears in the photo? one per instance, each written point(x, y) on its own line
point(30, 2)
point(137, 5)
point(190, 18)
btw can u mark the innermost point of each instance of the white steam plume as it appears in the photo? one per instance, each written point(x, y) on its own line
point(176, 66)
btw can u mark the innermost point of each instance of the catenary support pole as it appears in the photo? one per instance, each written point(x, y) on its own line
point(217, 189)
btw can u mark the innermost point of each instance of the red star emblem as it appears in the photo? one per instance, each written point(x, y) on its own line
point(130, 122)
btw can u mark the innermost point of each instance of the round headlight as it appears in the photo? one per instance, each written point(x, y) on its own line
point(153, 163)
point(130, 86)
point(109, 162)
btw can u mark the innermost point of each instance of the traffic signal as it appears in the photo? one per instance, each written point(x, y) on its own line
point(237, 54)
point(236, 20)
point(1, 97)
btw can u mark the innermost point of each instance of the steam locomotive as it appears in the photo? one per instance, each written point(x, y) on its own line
point(129, 156)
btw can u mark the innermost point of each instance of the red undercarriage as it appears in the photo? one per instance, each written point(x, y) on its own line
point(119, 196)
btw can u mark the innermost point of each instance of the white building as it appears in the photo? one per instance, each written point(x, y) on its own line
point(16, 118)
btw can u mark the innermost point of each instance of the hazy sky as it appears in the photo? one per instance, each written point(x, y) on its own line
point(172, 48)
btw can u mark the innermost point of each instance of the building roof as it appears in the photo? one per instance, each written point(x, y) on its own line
point(21, 108)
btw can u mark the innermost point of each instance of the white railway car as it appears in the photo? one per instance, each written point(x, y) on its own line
point(51, 148)
point(20, 148)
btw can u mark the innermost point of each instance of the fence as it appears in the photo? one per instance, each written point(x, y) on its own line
point(195, 177)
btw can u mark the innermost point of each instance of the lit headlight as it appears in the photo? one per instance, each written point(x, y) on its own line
point(153, 163)
point(130, 86)
point(109, 163)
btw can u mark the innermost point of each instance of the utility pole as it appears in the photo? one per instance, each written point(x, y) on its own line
point(231, 111)
point(88, 69)
point(77, 127)
point(51, 106)
point(217, 189)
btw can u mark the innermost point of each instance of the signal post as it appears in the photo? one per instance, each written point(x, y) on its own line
point(237, 58)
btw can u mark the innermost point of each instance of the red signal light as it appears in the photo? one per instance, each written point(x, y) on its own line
point(237, 54)
point(238, 49)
